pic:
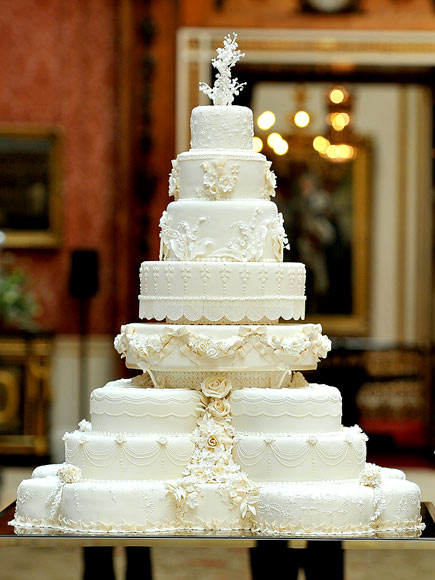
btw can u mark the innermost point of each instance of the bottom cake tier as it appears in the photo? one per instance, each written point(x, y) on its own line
point(388, 507)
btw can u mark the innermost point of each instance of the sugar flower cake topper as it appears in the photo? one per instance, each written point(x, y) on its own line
point(225, 88)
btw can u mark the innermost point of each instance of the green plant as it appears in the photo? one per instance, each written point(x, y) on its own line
point(17, 304)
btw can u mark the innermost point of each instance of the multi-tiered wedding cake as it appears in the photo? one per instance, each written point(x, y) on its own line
point(221, 431)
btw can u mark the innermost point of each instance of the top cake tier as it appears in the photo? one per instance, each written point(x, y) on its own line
point(221, 164)
point(221, 127)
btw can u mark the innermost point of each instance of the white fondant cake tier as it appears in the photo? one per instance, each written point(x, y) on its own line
point(222, 347)
point(301, 457)
point(211, 291)
point(121, 409)
point(228, 231)
point(221, 175)
point(221, 127)
point(392, 509)
point(123, 456)
point(310, 409)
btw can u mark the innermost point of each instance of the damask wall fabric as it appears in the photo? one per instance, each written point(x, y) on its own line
point(58, 69)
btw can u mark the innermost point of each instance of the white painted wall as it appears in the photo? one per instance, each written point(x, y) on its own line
point(65, 401)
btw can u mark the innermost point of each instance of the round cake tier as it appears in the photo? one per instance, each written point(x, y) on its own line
point(230, 231)
point(301, 457)
point(121, 456)
point(222, 347)
point(221, 127)
point(313, 408)
point(211, 291)
point(120, 409)
point(222, 175)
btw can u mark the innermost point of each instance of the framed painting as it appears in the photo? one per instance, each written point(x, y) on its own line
point(326, 209)
point(30, 186)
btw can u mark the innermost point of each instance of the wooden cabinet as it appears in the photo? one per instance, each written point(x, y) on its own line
point(386, 390)
point(24, 393)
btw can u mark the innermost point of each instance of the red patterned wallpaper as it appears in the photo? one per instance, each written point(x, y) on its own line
point(58, 67)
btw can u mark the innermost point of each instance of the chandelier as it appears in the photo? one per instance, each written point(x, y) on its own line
point(337, 143)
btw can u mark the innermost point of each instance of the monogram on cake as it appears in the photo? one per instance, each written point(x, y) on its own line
point(220, 430)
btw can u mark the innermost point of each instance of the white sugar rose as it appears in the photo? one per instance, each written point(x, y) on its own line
point(85, 425)
point(212, 442)
point(216, 388)
point(68, 473)
point(212, 351)
point(219, 408)
point(371, 475)
point(271, 178)
point(201, 345)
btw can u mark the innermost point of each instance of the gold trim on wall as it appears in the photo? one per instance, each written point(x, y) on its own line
point(25, 371)
point(401, 218)
point(425, 259)
point(11, 387)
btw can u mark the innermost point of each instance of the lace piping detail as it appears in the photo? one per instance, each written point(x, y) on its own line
point(214, 308)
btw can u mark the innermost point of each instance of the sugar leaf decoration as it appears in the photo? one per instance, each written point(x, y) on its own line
point(224, 88)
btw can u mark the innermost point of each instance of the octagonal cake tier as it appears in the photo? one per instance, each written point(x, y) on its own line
point(160, 347)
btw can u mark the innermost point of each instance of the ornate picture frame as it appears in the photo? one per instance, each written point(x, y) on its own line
point(30, 186)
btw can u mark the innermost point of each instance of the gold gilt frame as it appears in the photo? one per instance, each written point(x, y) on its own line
point(30, 157)
point(338, 48)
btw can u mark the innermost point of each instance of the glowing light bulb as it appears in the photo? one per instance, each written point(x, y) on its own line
point(280, 147)
point(266, 120)
point(337, 95)
point(273, 138)
point(301, 119)
point(257, 144)
point(320, 144)
point(345, 151)
point(339, 121)
point(332, 151)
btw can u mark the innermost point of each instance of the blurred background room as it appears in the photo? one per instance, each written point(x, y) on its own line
point(95, 100)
